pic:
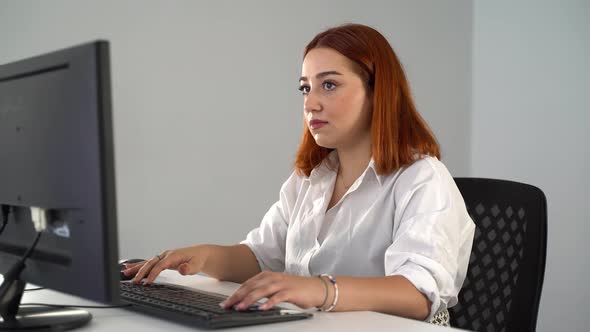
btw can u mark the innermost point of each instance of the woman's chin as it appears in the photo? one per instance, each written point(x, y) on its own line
point(324, 143)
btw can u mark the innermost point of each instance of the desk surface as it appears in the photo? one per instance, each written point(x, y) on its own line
point(126, 320)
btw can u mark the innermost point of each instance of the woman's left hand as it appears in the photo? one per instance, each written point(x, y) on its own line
point(304, 292)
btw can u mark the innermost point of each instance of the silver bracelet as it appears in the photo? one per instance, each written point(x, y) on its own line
point(327, 292)
point(333, 281)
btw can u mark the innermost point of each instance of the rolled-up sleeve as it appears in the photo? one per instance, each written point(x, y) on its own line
point(267, 241)
point(432, 236)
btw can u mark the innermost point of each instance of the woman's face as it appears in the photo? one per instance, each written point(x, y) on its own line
point(336, 106)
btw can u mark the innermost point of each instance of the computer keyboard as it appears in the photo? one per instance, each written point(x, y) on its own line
point(198, 308)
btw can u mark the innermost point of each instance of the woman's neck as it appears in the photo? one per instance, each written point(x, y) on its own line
point(354, 160)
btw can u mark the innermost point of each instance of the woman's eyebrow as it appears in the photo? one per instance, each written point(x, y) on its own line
point(320, 75)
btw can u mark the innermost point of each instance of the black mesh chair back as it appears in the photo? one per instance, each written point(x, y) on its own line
point(503, 285)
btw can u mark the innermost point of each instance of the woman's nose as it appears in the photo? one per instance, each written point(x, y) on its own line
point(311, 103)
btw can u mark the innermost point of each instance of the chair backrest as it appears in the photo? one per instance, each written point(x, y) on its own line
point(504, 279)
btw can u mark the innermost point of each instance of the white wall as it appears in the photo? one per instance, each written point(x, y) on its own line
point(207, 115)
point(206, 108)
point(531, 123)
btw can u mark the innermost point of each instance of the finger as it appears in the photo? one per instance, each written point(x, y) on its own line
point(242, 291)
point(130, 265)
point(257, 294)
point(161, 265)
point(189, 265)
point(187, 269)
point(144, 270)
point(133, 269)
point(260, 280)
point(281, 296)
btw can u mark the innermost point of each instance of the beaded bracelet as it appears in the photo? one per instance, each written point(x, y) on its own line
point(333, 281)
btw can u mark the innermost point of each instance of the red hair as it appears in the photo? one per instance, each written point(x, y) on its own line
point(399, 135)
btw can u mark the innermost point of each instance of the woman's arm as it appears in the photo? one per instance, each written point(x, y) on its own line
point(393, 295)
point(235, 263)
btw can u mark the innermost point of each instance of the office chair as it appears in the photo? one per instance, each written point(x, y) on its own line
point(503, 285)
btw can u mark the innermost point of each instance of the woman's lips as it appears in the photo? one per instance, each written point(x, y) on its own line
point(317, 124)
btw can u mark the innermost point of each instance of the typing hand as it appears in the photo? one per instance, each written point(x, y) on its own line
point(189, 260)
point(304, 292)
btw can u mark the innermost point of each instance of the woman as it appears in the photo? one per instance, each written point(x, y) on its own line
point(370, 219)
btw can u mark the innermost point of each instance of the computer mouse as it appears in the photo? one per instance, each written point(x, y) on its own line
point(122, 267)
point(131, 260)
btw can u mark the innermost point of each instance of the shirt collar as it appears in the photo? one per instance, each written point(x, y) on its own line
point(323, 169)
point(373, 167)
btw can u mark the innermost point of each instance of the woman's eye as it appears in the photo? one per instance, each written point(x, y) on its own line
point(304, 89)
point(329, 86)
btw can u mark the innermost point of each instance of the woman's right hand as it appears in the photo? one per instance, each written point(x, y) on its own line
point(189, 260)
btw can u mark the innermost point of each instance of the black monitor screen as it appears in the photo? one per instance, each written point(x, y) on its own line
point(56, 153)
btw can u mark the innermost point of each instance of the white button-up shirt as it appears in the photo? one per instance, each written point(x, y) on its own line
point(412, 222)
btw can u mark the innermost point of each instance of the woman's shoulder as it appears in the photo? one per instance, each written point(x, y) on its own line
point(426, 170)
point(423, 168)
point(293, 182)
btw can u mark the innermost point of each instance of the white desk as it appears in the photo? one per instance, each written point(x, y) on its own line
point(126, 320)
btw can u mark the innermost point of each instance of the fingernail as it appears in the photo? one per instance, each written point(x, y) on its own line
point(222, 304)
point(263, 306)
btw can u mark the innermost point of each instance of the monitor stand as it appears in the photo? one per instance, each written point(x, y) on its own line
point(34, 318)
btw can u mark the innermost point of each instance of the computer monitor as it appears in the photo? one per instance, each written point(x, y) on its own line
point(56, 155)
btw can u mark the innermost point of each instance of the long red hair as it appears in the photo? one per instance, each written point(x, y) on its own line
point(399, 135)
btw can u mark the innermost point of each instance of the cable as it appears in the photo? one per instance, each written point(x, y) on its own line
point(5, 214)
point(12, 287)
point(27, 255)
point(34, 289)
point(78, 306)
point(13, 273)
point(31, 248)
